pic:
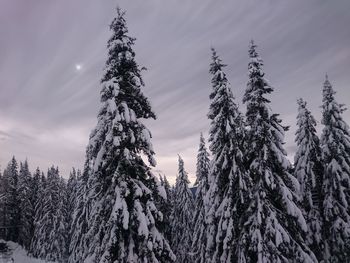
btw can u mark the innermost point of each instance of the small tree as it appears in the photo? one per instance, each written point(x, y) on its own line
point(309, 172)
point(25, 205)
point(202, 182)
point(51, 226)
point(70, 197)
point(11, 209)
point(165, 205)
point(182, 216)
point(79, 224)
point(38, 232)
point(36, 190)
point(2, 206)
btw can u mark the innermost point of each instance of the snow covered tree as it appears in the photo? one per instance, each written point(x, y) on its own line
point(123, 218)
point(181, 216)
point(70, 198)
point(309, 172)
point(202, 183)
point(51, 228)
point(274, 227)
point(165, 205)
point(10, 197)
point(37, 239)
point(335, 142)
point(227, 195)
point(168, 189)
point(79, 225)
point(62, 235)
point(36, 190)
point(36, 184)
point(25, 206)
point(71, 189)
point(2, 207)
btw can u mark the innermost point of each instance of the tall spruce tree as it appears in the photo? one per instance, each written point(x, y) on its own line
point(227, 195)
point(309, 172)
point(274, 227)
point(25, 205)
point(181, 216)
point(335, 141)
point(123, 218)
point(202, 182)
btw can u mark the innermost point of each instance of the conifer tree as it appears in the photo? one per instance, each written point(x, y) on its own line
point(11, 206)
point(121, 193)
point(63, 216)
point(25, 206)
point(167, 187)
point(227, 195)
point(36, 182)
point(165, 205)
point(335, 141)
point(2, 207)
point(309, 172)
point(71, 189)
point(70, 198)
point(37, 241)
point(181, 216)
point(51, 226)
point(202, 183)
point(274, 227)
point(35, 195)
point(79, 225)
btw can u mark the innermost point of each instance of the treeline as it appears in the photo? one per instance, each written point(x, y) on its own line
point(251, 205)
point(37, 208)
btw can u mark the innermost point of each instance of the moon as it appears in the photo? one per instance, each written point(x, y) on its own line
point(78, 67)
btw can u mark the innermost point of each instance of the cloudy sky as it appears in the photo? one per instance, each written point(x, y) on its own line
point(48, 107)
